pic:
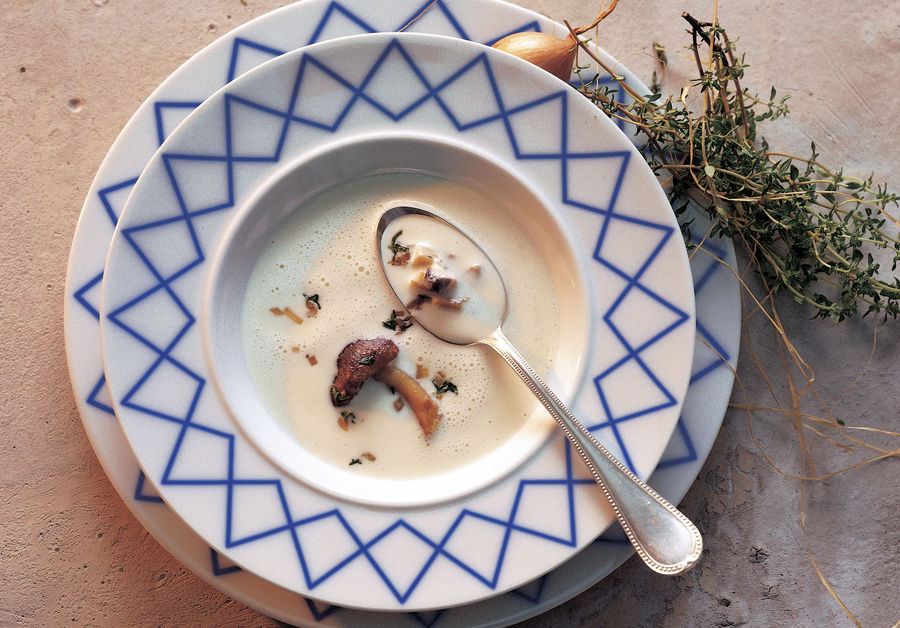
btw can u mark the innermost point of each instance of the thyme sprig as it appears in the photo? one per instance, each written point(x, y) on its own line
point(814, 232)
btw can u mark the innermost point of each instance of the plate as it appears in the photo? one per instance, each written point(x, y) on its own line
point(243, 48)
point(348, 108)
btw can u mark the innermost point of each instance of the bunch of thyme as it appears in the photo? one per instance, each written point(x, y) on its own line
point(811, 230)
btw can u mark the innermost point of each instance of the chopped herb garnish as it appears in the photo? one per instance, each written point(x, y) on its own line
point(312, 298)
point(397, 247)
point(354, 461)
point(368, 360)
point(445, 386)
point(346, 419)
point(397, 322)
point(400, 251)
point(338, 396)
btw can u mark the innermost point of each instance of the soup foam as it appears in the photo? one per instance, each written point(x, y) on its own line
point(327, 248)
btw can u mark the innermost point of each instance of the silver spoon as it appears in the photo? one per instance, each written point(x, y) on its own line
point(664, 538)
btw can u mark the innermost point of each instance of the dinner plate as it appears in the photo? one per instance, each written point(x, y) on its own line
point(261, 39)
point(237, 168)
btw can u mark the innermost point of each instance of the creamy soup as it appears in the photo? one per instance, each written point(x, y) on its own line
point(327, 251)
point(447, 282)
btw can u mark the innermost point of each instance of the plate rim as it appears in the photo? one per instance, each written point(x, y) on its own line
point(105, 436)
point(388, 39)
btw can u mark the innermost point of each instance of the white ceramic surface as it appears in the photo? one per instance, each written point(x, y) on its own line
point(274, 522)
point(241, 49)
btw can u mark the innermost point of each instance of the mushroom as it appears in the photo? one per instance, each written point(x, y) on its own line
point(362, 359)
point(437, 283)
point(423, 406)
point(356, 363)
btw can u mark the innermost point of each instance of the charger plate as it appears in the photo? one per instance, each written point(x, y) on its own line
point(234, 490)
point(241, 49)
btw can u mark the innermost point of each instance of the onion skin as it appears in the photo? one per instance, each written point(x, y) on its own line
point(555, 55)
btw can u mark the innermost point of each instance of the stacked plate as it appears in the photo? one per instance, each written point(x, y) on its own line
point(234, 146)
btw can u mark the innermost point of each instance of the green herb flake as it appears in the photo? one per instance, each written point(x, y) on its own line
point(368, 360)
point(354, 461)
point(397, 247)
point(313, 298)
point(350, 416)
point(338, 396)
point(397, 322)
point(445, 386)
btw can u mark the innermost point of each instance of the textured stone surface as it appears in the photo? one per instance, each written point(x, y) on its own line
point(72, 73)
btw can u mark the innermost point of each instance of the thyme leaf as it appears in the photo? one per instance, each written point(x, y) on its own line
point(338, 396)
point(313, 298)
point(397, 247)
point(445, 386)
point(397, 322)
point(368, 360)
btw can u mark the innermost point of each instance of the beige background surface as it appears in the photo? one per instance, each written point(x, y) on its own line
point(71, 74)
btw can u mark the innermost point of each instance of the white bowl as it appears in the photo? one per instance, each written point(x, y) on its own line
point(353, 157)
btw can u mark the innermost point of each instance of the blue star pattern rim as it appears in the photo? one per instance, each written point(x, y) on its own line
point(163, 274)
point(532, 593)
point(696, 428)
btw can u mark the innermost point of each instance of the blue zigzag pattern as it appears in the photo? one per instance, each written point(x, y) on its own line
point(318, 611)
point(427, 618)
point(217, 567)
point(238, 46)
point(186, 216)
point(141, 495)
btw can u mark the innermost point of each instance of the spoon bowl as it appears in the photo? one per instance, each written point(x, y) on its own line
point(452, 288)
point(463, 314)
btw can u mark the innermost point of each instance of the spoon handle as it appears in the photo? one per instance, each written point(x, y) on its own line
point(664, 538)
